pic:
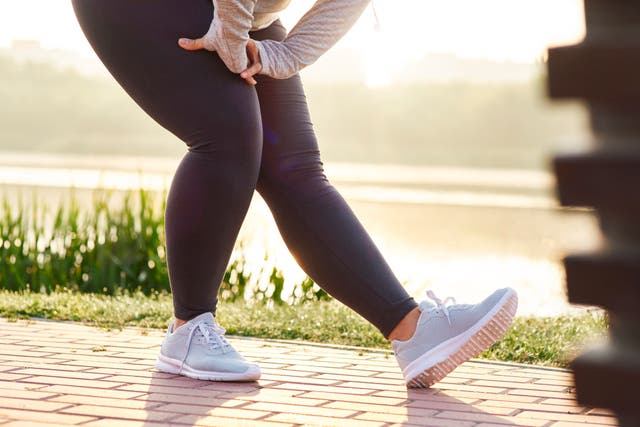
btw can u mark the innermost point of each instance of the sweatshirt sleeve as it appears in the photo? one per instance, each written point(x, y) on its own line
point(318, 30)
point(229, 32)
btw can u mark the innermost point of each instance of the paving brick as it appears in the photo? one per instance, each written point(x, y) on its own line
point(247, 387)
point(552, 416)
point(373, 380)
point(275, 396)
point(298, 379)
point(469, 387)
point(47, 380)
point(190, 399)
point(226, 422)
point(556, 381)
point(21, 352)
point(269, 370)
point(310, 420)
point(488, 418)
point(11, 376)
point(548, 372)
point(110, 422)
point(40, 364)
point(567, 409)
point(542, 373)
point(369, 386)
point(600, 411)
point(567, 424)
point(106, 411)
point(449, 404)
point(149, 373)
point(24, 394)
point(385, 409)
point(32, 405)
point(328, 389)
point(521, 386)
point(32, 424)
point(329, 412)
point(412, 420)
point(367, 399)
point(417, 394)
point(105, 401)
point(153, 381)
point(104, 363)
point(219, 411)
point(141, 388)
point(89, 391)
point(491, 425)
point(196, 408)
point(455, 380)
point(318, 365)
point(54, 418)
point(568, 401)
point(491, 377)
point(568, 394)
point(11, 385)
point(97, 359)
point(55, 373)
point(460, 394)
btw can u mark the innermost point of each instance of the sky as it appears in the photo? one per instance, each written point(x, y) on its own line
point(498, 30)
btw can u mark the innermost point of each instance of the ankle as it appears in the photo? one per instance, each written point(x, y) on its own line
point(407, 326)
point(177, 323)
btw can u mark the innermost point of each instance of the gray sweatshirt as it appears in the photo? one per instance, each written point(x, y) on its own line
point(319, 29)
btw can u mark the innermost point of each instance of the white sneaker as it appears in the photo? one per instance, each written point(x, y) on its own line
point(447, 336)
point(199, 350)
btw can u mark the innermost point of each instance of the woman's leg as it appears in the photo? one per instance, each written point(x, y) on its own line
point(316, 223)
point(193, 95)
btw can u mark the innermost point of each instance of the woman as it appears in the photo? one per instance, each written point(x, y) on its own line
point(242, 113)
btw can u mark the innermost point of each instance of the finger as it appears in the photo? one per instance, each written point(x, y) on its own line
point(191, 44)
point(254, 56)
point(251, 81)
point(251, 71)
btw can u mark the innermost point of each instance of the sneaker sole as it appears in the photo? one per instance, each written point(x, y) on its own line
point(463, 347)
point(173, 366)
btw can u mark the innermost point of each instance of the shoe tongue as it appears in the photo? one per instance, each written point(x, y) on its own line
point(203, 318)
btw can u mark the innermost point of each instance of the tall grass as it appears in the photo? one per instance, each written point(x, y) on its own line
point(107, 250)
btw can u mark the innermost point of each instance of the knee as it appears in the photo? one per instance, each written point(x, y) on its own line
point(300, 176)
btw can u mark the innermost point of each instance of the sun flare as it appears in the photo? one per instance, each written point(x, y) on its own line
point(496, 30)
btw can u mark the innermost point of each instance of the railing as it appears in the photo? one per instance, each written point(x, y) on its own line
point(604, 70)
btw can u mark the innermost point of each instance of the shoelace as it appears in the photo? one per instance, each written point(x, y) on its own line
point(442, 304)
point(213, 335)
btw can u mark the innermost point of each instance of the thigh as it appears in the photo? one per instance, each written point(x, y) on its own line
point(192, 94)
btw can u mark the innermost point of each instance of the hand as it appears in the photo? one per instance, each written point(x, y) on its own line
point(255, 64)
point(193, 44)
point(253, 68)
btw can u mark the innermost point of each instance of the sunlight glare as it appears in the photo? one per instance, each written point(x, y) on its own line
point(494, 30)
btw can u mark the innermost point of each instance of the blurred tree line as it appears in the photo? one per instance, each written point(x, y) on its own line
point(463, 124)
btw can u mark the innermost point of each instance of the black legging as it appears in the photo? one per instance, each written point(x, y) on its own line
point(240, 138)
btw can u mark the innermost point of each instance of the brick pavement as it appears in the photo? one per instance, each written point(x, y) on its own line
point(58, 373)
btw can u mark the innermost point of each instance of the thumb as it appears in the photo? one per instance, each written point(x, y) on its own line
point(191, 44)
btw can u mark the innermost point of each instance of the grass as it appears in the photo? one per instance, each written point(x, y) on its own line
point(550, 341)
point(109, 250)
point(94, 249)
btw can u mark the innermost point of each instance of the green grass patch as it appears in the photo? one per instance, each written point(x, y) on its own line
point(112, 248)
point(551, 341)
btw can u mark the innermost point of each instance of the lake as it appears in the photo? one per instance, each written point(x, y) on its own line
point(461, 232)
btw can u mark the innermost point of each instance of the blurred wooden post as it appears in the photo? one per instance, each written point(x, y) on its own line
point(604, 70)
